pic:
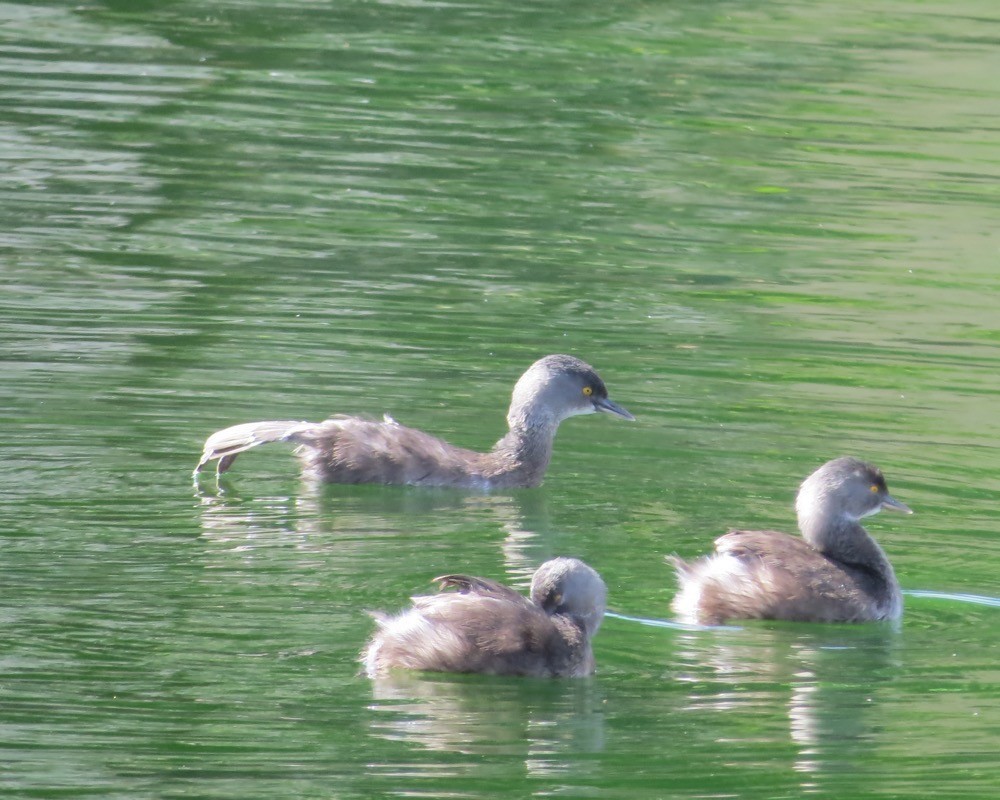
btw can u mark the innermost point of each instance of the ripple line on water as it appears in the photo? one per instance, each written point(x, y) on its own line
point(958, 597)
point(666, 623)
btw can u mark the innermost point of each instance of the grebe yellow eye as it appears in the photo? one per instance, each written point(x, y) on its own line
point(588, 391)
point(873, 488)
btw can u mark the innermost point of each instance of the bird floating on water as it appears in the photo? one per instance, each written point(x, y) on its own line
point(489, 628)
point(347, 449)
point(835, 573)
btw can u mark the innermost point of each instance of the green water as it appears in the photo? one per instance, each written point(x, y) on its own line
point(773, 229)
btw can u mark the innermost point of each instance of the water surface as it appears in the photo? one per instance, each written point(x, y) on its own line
point(773, 231)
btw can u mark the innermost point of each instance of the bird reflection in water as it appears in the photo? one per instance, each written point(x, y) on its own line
point(827, 677)
point(546, 724)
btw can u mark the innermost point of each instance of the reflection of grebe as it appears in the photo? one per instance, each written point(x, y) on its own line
point(545, 724)
point(829, 678)
point(354, 450)
point(489, 628)
point(835, 573)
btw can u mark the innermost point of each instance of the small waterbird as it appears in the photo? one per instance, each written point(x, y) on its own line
point(835, 573)
point(346, 449)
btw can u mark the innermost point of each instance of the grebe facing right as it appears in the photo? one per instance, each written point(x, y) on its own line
point(346, 449)
point(835, 573)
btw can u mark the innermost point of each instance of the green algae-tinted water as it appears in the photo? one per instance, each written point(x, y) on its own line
point(773, 229)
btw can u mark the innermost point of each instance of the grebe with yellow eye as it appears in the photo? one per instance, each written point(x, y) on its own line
point(835, 573)
point(346, 449)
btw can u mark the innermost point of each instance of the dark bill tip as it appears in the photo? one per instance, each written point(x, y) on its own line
point(610, 406)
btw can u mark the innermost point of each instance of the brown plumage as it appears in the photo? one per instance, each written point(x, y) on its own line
point(835, 573)
point(346, 449)
point(489, 628)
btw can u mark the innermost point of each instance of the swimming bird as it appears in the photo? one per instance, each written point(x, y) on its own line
point(489, 628)
point(346, 449)
point(835, 573)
